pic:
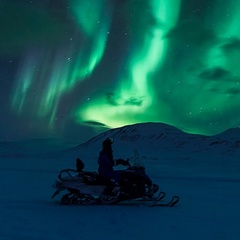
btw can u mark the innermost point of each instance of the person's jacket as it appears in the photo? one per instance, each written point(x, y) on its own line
point(105, 162)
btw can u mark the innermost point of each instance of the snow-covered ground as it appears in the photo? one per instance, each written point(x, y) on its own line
point(203, 171)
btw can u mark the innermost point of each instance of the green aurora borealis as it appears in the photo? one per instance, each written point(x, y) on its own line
point(108, 63)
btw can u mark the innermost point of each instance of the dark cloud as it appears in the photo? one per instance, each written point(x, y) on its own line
point(111, 99)
point(233, 91)
point(232, 45)
point(94, 124)
point(134, 101)
point(114, 101)
point(229, 91)
point(214, 74)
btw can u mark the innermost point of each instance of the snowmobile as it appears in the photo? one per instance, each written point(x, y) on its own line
point(88, 188)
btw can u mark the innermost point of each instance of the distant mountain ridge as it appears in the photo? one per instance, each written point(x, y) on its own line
point(159, 135)
point(29, 147)
point(144, 136)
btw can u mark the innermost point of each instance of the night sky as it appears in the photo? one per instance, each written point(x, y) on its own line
point(74, 68)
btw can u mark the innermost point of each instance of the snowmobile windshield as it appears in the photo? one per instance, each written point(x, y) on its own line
point(136, 160)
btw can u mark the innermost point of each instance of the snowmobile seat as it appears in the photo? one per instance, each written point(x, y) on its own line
point(94, 178)
point(102, 180)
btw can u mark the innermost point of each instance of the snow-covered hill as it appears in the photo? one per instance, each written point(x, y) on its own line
point(147, 136)
point(158, 135)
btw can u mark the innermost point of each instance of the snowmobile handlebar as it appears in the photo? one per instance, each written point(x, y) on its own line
point(123, 162)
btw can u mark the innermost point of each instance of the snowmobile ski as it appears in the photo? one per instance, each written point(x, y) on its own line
point(160, 196)
point(171, 203)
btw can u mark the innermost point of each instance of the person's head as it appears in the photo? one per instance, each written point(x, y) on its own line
point(107, 144)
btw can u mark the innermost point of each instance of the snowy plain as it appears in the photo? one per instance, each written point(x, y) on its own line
point(203, 171)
